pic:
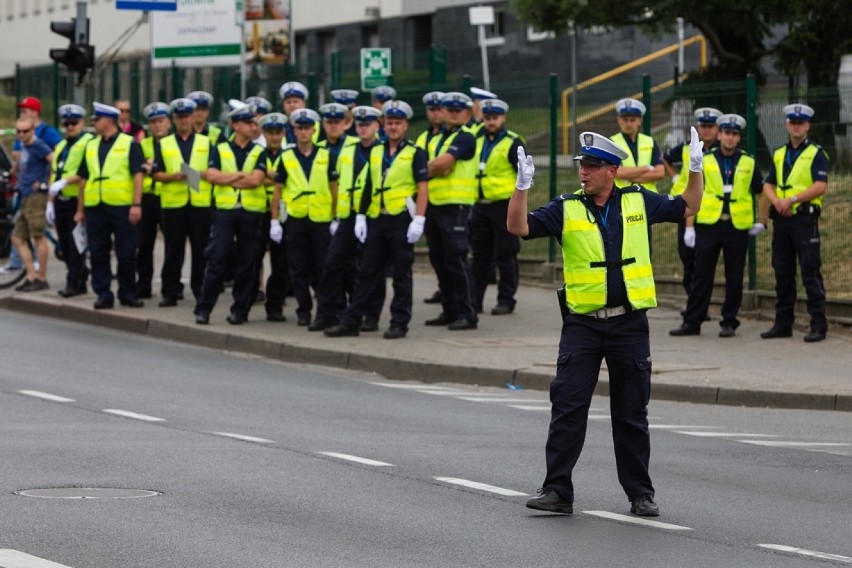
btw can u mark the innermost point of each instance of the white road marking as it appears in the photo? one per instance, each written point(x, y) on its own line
point(441, 392)
point(482, 486)
point(46, 396)
point(804, 552)
point(529, 407)
point(495, 399)
point(134, 415)
point(681, 427)
point(724, 434)
point(356, 459)
point(244, 438)
point(637, 521)
point(805, 445)
point(412, 386)
point(599, 417)
point(14, 559)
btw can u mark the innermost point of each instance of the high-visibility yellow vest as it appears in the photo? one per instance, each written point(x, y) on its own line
point(227, 197)
point(147, 145)
point(214, 133)
point(428, 142)
point(459, 186)
point(740, 201)
point(307, 197)
point(347, 141)
point(174, 194)
point(497, 176)
point(584, 259)
point(350, 187)
point(72, 162)
point(683, 178)
point(391, 188)
point(800, 177)
point(271, 170)
point(645, 147)
point(112, 185)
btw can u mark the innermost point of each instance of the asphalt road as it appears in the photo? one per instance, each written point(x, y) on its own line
point(342, 469)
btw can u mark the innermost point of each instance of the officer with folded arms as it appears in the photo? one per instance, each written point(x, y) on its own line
point(794, 187)
point(62, 200)
point(609, 286)
point(643, 164)
point(201, 116)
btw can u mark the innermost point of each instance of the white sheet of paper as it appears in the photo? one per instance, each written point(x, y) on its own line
point(80, 240)
point(193, 177)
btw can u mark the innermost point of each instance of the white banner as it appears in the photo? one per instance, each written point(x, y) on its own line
point(199, 34)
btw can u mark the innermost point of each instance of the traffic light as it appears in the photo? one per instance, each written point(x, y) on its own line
point(79, 55)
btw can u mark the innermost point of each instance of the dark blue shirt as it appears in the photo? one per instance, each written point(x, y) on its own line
point(548, 221)
point(674, 156)
point(137, 159)
point(463, 146)
point(33, 166)
point(44, 132)
point(819, 167)
point(633, 147)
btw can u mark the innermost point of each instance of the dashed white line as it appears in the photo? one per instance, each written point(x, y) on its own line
point(133, 415)
point(356, 459)
point(599, 416)
point(46, 396)
point(412, 386)
point(14, 559)
point(804, 552)
point(494, 399)
point(682, 427)
point(780, 444)
point(529, 407)
point(482, 486)
point(244, 438)
point(724, 434)
point(637, 521)
point(440, 392)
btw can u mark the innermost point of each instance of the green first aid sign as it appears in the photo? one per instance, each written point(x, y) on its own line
point(375, 67)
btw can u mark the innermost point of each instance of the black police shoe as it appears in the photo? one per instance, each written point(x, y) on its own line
point(341, 331)
point(320, 324)
point(502, 310)
point(442, 319)
point(275, 316)
point(776, 331)
point(395, 332)
point(303, 321)
point(685, 330)
point(434, 298)
point(727, 331)
point(550, 501)
point(104, 303)
point(144, 294)
point(168, 302)
point(70, 291)
point(202, 318)
point(132, 303)
point(462, 324)
point(236, 318)
point(369, 325)
point(815, 335)
point(644, 506)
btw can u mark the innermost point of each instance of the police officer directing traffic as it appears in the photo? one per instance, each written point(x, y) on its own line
point(795, 187)
point(609, 286)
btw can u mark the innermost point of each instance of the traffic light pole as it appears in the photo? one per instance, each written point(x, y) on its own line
point(81, 34)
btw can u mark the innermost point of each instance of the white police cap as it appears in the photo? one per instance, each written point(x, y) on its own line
point(107, 111)
point(261, 105)
point(455, 99)
point(241, 112)
point(304, 116)
point(599, 150)
point(384, 93)
point(201, 98)
point(493, 106)
point(481, 94)
point(366, 113)
point(344, 96)
point(333, 111)
point(71, 111)
point(630, 107)
point(293, 89)
point(731, 122)
point(155, 110)
point(798, 111)
point(397, 109)
point(707, 115)
point(272, 120)
point(433, 99)
point(183, 105)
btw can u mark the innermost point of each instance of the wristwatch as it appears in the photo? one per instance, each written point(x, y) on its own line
point(794, 199)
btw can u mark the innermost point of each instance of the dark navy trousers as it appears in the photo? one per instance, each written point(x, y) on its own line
point(78, 273)
point(797, 238)
point(446, 231)
point(103, 224)
point(493, 245)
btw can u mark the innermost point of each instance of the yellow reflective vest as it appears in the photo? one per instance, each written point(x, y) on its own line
point(227, 197)
point(393, 185)
point(429, 142)
point(307, 196)
point(645, 148)
point(71, 164)
point(112, 184)
point(800, 177)
point(496, 174)
point(584, 259)
point(271, 171)
point(740, 201)
point(147, 145)
point(459, 186)
point(350, 187)
point(174, 194)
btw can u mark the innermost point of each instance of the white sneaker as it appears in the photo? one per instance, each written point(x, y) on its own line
point(35, 265)
point(7, 268)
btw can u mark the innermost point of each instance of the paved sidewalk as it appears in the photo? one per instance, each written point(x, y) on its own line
point(515, 349)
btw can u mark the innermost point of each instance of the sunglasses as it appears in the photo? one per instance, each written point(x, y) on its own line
point(23, 131)
point(68, 123)
point(124, 110)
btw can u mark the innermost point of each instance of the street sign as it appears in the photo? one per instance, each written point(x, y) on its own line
point(376, 67)
point(200, 34)
point(147, 5)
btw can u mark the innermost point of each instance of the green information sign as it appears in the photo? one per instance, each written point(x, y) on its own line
point(375, 67)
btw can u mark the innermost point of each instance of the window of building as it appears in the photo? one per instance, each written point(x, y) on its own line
point(302, 53)
point(370, 36)
point(498, 28)
point(36, 6)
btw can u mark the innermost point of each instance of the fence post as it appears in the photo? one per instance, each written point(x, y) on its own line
point(18, 79)
point(134, 86)
point(466, 83)
point(437, 68)
point(751, 148)
point(646, 98)
point(336, 70)
point(116, 84)
point(554, 109)
point(312, 87)
point(56, 93)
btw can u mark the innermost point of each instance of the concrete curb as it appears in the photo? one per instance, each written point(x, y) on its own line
point(398, 368)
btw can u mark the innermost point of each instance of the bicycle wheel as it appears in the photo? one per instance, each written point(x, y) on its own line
point(8, 276)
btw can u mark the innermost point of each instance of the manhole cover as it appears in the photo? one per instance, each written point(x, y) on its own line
point(87, 493)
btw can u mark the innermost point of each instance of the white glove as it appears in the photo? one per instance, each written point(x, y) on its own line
point(56, 187)
point(50, 214)
point(526, 170)
point(276, 233)
point(415, 229)
point(696, 155)
point(361, 228)
point(332, 227)
point(689, 237)
point(756, 229)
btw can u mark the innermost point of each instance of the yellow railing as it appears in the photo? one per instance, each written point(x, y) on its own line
point(567, 125)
